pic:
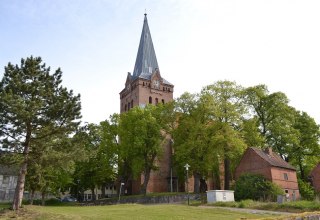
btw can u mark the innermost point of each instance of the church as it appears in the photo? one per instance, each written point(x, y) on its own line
point(146, 86)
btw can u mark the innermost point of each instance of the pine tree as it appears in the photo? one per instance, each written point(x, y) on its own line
point(33, 106)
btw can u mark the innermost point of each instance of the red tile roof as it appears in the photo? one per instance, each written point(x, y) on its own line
point(273, 159)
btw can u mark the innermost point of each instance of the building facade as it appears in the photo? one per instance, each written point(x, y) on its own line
point(8, 182)
point(315, 178)
point(147, 86)
point(272, 167)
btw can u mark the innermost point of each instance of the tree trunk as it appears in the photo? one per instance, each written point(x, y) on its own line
point(203, 185)
point(301, 169)
point(196, 178)
point(93, 194)
point(146, 181)
point(18, 194)
point(43, 198)
point(32, 197)
point(226, 173)
point(103, 190)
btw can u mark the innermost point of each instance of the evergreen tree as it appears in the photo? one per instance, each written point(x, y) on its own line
point(33, 106)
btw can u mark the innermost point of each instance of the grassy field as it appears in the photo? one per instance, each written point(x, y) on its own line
point(294, 206)
point(132, 211)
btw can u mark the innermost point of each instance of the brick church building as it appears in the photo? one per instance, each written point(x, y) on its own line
point(146, 86)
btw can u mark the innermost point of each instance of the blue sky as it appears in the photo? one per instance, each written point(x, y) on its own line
point(274, 42)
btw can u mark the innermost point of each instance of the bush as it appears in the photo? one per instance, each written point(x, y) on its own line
point(255, 187)
point(306, 190)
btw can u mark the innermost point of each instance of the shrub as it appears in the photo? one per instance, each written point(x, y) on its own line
point(255, 187)
point(306, 190)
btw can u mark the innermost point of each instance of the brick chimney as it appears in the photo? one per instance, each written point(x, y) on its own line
point(268, 150)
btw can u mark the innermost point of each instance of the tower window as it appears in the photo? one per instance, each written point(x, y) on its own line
point(150, 100)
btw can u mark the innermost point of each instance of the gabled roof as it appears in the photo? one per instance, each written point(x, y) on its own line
point(146, 61)
point(272, 158)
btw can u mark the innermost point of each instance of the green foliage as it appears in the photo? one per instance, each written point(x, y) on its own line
point(306, 190)
point(140, 132)
point(208, 130)
point(97, 168)
point(275, 116)
point(305, 153)
point(34, 109)
point(256, 187)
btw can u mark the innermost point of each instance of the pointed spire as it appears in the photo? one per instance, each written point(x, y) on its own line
point(146, 61)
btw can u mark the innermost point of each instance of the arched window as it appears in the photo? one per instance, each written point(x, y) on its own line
point(128, 106)
point(156, 101)
point(125, 107)
point(162, 101)
point(143, 83)
point(150, 100)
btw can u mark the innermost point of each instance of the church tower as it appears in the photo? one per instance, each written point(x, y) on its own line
point(147, 86)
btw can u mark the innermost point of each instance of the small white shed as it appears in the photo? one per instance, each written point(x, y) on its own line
point(220, 196)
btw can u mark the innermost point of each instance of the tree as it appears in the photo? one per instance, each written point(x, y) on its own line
point(193, 138)
point(305, 153)
point(141, 142)
point(51, 166)
point(33, 106)
point(225, 100)
point(275, 116)
point(255, 187)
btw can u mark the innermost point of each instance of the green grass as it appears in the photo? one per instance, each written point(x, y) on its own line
point(126, 211)
point(4, 206)
point(295, 206)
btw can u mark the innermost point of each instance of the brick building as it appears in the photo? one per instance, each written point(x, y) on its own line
point(146, 86)
point(315, 178)
point(272, 167)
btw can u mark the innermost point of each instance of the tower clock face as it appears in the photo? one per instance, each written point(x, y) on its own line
point(156, 84)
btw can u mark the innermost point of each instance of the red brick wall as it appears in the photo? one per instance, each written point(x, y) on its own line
point(315, 174)
point(291, 184)
point(140, 91)
point(253, 163)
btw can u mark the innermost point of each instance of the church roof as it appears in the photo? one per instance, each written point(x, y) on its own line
point(146, 61)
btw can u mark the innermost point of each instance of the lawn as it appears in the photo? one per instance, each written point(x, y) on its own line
point(128, 211)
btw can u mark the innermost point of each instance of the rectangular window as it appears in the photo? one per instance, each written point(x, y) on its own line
point(285, 176)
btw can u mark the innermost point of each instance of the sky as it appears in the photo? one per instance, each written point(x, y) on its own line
point(197, 42)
